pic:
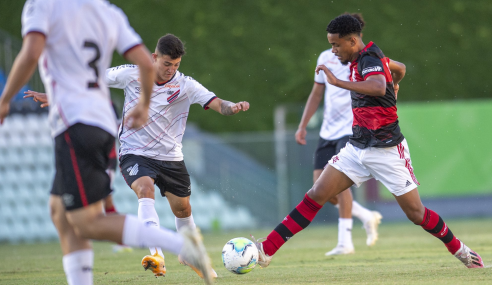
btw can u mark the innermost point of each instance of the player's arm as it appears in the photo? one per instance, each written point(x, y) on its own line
point(312, 105)
point(374, 85)
point(140, 56)
point(24, 65)
point(398, 70)
point(228, 108)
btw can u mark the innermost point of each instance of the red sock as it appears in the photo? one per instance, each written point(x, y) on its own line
point(433, 224)
point(296, 221)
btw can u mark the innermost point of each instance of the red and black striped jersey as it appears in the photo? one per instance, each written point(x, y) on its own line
point(375, 119)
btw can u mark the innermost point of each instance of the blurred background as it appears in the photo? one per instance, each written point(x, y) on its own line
point(247, 170)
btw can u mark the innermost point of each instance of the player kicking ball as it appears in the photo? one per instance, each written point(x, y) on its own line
point(151, 155)
point(376, 149)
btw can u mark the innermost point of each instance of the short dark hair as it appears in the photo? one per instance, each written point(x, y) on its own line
point(170, 45)
point(344, 25)
point(359, 18)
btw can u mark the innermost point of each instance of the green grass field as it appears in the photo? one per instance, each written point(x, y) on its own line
point(404, 254)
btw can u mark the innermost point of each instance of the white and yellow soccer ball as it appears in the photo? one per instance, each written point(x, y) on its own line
point(239, 255)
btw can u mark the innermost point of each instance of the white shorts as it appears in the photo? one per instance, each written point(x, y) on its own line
point(391, 165)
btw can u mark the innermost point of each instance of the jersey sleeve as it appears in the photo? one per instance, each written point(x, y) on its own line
point(198, 93)
point(127, 37)
point(370, 65)
point(118, 77)
point(35, 17)
point(320, 77)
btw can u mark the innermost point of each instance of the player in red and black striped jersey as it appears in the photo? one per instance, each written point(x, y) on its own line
point(376, 149)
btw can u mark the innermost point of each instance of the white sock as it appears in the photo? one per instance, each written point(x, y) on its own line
point(345, 233)
point(147, 214)
point(78, 267)
point(360, 212)
point(180, 222)
point(138, 234)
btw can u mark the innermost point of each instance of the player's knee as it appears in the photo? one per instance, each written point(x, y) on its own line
point(415, 216)
point(182, 210)
point(145, 191)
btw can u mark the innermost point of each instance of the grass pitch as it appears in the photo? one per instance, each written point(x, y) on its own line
point(404, 254)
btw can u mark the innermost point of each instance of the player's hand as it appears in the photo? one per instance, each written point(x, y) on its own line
point(37, 97)
point(240, 106)
point(4, 110)
point(137, 117)
point(396, 87)
point(301, 136)
point(329, 75)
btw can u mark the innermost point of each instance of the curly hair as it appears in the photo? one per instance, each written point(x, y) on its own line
point(170, 45)
point(344, 25)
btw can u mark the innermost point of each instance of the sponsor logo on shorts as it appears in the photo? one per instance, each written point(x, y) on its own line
point(408, 183)
point(67, 199)
point(137, 90)
point(371, 69)
point(335, 159)
point(133, 170)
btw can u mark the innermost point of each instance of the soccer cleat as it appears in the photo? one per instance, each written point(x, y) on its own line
point(195, 255)
point(155, 263)
point(212, 273)
point(371, 228)
point(340, 250)
point(469, 258)
point(263, 259)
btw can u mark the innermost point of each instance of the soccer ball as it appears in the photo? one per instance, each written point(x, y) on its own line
point(240, 255)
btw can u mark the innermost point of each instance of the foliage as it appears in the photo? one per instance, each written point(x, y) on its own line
point(265, 51)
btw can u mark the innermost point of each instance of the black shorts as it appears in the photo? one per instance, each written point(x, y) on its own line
point(327, 149)
point(169, 176)
point(81, 158)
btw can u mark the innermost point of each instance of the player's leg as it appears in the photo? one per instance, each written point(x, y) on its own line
point(140, 174)
point(430, 221)
point(343, 170)
point(369, 219)
point(174, 183)
point(181, 208)
point(145, 190)
point(78, 257)
point(343, 201)
point(84, 151)
point(330, 183)
point(393, 167)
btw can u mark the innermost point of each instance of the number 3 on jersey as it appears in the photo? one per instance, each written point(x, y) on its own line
point(92, 63)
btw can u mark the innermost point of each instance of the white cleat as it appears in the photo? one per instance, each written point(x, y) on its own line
point(194, 253)
point(371, 228)
point(340, 250)
point(263, 259)
point(469, 258)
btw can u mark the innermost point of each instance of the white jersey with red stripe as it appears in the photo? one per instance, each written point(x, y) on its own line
point(81, 36)
point(337, 115)
point(160, 138)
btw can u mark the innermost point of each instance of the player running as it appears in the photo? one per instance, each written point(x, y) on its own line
point(74, 42)
point(152, 154)
point(334, 135)
point(376, 148)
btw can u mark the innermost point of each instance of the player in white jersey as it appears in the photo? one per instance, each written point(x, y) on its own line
point(74, 42)
point(334, 135)
point(152, 154)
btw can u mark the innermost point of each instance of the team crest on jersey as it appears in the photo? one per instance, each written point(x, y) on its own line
point(173, 96)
